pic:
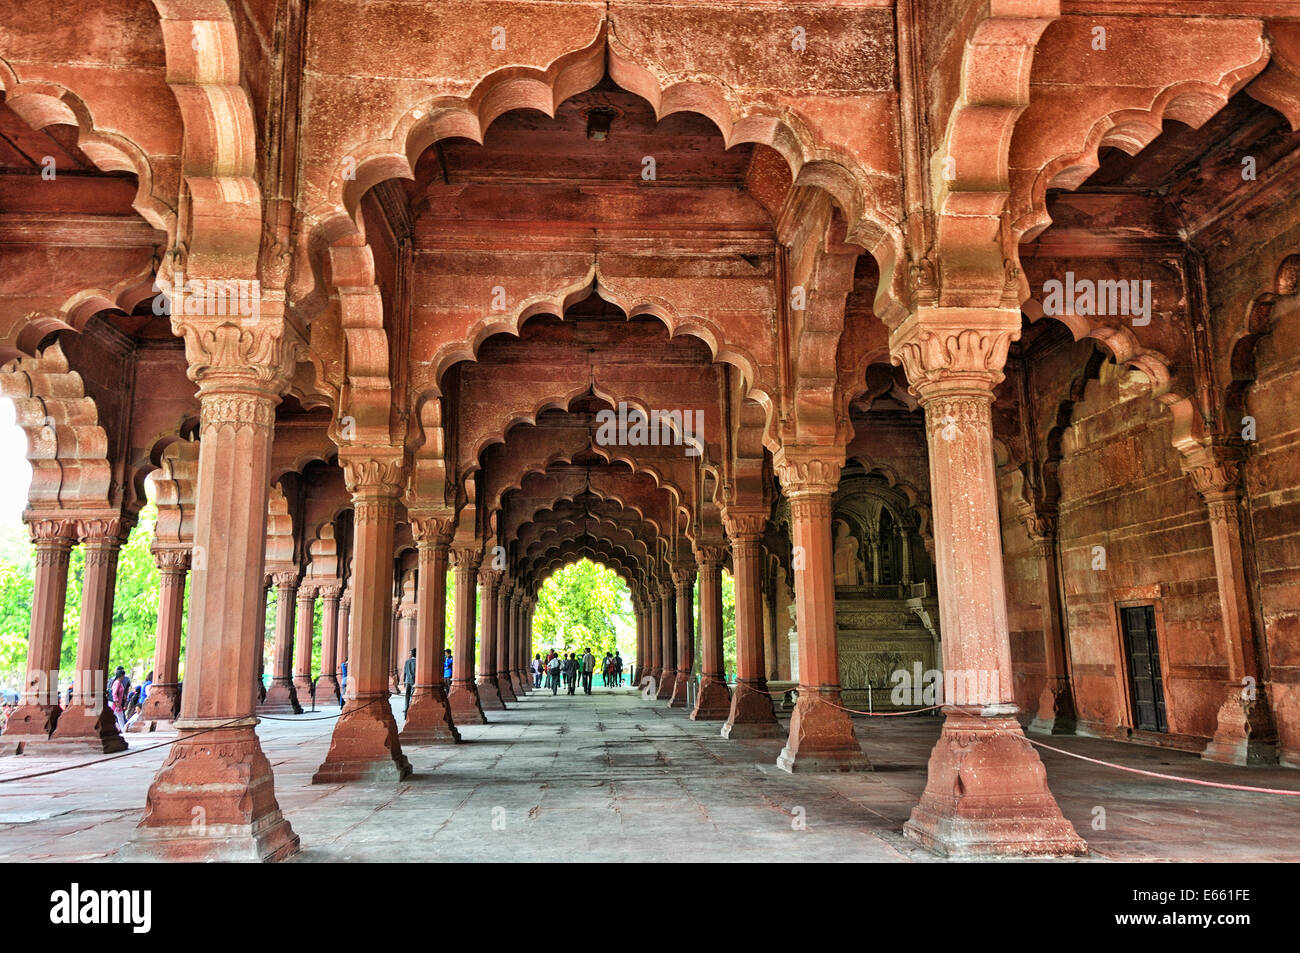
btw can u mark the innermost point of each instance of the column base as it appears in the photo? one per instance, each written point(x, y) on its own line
point(713, 703)
point(821, 736)
point(489, 699)
point(462, 699)
point(327, 691)
point(505, 689)
point(213, 800)
point(81, 730)
point(523, 684)
point(160, 709)
point(987, 794)
point(364, 746)
point(1244, 734)
point(680, 687)
point(27, 724)
point(752, 714)
point(303, 689)
point(665, 682)
point(429, 722)
point(281, 699)
point(1055, 711)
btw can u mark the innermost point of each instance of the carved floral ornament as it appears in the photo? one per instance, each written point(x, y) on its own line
point(743, 526)
point(954, 350)
point(432, 531)
point(377, 475)
point(254, 352)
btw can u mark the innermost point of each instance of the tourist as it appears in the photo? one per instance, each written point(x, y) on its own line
point(571, 672)
point(446, 665)
point(118, 692)
point(408, 676)
point(537, 671)
point(588, 668)
point(343, 686)
point(553, 673)
point(618, 669)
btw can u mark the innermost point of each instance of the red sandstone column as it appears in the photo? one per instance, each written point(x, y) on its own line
point(214, 797)
point(503, 644)
point(523, 649)
point(163, 704)
point(821, 732)
point(327, 684)
point(1245, 733)
point(638, 612)
point(713, 703)
point(88, 724)
point(655, 626)
point(364, 745)
point(684, 583)
point(667, 641)
point(37, 714)
point(430, 720)
point(752, 714)
point(345, 628)
point(305, 636)
point(1056, 703)
point(462, 696)
point(489, 697)
point(282, 697)
point(986, 791)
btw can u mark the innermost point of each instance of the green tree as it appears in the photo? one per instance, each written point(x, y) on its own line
point(584, 605)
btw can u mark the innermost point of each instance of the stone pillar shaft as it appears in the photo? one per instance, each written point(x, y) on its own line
point(38, 712)
point(88, 723)
point(163, 704)
point(752, 714)
point(282, 695)
point(986, 791)
point(364, 745)
point(327, 684)
point(667, 641)
point(713, 702)
point(305, 636)
point(429, 720)
point(462, 695)
point(821, 731)
point(501, 664)
point(217, 766)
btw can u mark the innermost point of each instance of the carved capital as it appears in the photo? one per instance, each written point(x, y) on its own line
point(954, 350)
point(808, 470)
point(51, 533)
point(710, 557)
point(429, 531)
point(1215, 473)
point(101, 532)
point(744, 524)
point(465, 557)
point(346, 601)
point(172, 560)
point(381, 473)
point(490, 579)
point(253, 353)
point(284, 580)
point(306, 593)
point(683, 578)
point(330, 593)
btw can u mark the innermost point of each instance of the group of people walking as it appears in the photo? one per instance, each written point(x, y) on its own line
point(570, 668)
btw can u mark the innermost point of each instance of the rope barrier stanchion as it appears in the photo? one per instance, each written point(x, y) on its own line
point(164, 744)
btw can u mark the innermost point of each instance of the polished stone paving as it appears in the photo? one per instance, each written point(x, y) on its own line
point(615, 777)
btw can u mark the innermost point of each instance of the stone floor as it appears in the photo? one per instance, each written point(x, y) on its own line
point(615, 777)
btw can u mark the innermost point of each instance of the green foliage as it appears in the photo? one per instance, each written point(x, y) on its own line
point(584, 605)
point(135, 602)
